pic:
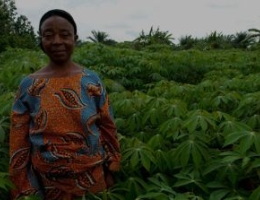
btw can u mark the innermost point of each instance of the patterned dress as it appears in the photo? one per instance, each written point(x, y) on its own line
point(62, 135)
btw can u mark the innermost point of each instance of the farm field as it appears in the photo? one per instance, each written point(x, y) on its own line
point(188, 120)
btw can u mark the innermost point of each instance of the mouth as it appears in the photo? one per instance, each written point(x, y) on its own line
point(59, 52)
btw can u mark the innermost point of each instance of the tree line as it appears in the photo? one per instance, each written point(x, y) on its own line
point(17, 32)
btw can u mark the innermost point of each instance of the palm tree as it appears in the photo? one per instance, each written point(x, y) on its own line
point(98, 36)
point(214, 39)
point(101, 37)
point(154, 37)
point(162, 37)
point(187, 42)
point(253, 37)
point(256, 34)
point(240, 40)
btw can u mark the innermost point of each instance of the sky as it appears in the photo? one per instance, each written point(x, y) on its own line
point(124, 20)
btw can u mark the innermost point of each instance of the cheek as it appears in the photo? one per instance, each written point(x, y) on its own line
point(44, 43)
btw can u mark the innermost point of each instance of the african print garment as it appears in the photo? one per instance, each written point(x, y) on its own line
point(62, 133)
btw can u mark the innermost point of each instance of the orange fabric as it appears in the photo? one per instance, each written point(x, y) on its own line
point(62, 133)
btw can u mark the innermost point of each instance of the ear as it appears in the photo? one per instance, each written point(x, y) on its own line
point(76, 37)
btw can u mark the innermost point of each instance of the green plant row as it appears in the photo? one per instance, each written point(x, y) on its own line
point(188, 121)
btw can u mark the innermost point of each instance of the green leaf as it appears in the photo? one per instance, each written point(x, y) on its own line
point(152, 116)
point(160, 183)
point(256, 163)
point(199, 119)
point(138, 156)
point(182, 153)
point(153, 195)
point(246, 138)
point(136, 186)
point(213, 166)
point(180, 183)
point(134, 160)
point(174, 109)
point(255, 194)
point(157, 141)
point(162, 160)
point(257, 143)
point(5, 183)
point(113, 86)
point(234, 137)
point(233, 126)
point(2, 134)
point(193, 148)
point(254, 121)
point(146, 161)
point(171, 127)
point(189, 177)
point(247, 141)
point(191, 123)
point(219, 194)
point(134, 121)
point(196, 155)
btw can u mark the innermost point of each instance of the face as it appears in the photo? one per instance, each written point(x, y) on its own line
point(58, 39)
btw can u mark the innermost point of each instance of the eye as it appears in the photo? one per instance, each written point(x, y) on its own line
point(47, 34)
point(65, 34)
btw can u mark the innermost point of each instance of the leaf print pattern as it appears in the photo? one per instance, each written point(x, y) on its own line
point(76, 138)
point(54, 120)
point(91, 120)
point(94, 90)
point(37, 86)
point(60, 153)
point(69, 98)
point(85, 180)
point(28, 192)
point(39, 122)
point(20, 158)
point(60, 172)
point(52, 193)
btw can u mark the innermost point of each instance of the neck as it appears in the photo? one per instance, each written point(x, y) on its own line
point(62, 69)
point(61, 65)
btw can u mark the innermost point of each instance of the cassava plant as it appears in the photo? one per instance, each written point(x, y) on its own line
point(188, 121)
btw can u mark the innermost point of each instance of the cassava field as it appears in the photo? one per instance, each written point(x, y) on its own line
point(188, 121)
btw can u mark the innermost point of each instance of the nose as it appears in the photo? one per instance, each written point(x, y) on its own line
point(56, 39)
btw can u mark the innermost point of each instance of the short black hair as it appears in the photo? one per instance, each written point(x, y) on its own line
point(60, 13)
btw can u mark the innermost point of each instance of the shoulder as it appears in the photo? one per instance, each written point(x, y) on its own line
point(23, 87)
point(90, 74)
point(26, 82)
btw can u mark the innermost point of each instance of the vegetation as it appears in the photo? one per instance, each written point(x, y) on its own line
point(16, 30)
point(188, 121)
point(187, 114)
point(154, 37)
point(101, 37)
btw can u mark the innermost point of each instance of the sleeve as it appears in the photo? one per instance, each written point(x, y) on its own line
point(20, 169)
point(108, 130)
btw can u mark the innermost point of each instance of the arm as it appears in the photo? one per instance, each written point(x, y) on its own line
point(20, 169)
point(109, 133)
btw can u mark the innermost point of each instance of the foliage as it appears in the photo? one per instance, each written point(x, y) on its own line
point(188, 121)
point(16, 30)
point(187, 115)
point(241, 40)
point(153, 37)
point(253, 38)
point(101, 37)
point(187, 42)
point(217, 40)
